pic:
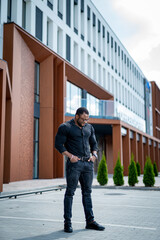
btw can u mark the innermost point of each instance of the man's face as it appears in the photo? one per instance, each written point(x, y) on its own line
point(82, 119)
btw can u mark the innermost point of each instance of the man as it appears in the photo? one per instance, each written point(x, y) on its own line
point(76, 140)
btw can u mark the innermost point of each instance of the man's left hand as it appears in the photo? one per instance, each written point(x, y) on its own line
point(92, 159)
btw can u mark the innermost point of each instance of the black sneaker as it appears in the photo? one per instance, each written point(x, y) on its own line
point(95, 226)
point(68, 228)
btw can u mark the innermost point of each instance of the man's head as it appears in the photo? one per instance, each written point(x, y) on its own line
point(81, 116)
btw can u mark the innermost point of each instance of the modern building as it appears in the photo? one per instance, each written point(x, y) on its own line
point(56, 56)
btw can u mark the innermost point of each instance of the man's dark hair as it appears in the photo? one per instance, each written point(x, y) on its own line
point(82, 110)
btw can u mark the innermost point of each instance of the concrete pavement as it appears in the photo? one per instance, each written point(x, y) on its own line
point(125, 214)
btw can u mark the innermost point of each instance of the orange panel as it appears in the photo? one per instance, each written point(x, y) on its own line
point(126, 152)
point(46, 146)
point(117, 143)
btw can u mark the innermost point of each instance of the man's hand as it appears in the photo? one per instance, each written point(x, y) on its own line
point(74, 159)
point(92, 159)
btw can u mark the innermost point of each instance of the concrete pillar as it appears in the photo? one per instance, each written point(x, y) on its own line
point(44, 34)
point(55, 40)
point(17, 12)
point(3, 9)
point(30, 17)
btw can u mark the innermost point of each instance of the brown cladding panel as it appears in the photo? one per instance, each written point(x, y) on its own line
point(126, 152)
point(7, 150)
point(59, 93)
point(140, 153)
point(22, 66)
point(117, 144)
point(109, 154)
point(2, 122)
point(46, 147)
point(134, 146)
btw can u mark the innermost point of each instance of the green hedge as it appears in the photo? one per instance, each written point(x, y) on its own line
point(155, 169)
point(102, 176)
point(133, 176)
point(118, 173)
point(138, 168)
point(148, 177)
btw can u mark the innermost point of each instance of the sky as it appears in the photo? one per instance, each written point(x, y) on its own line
point(136, 24)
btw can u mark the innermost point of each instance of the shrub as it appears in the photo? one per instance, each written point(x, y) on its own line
point(148, 177)
point(102, 175)
point(138, 168)
point(118, 173)
point(133, 176)
point(155, 169)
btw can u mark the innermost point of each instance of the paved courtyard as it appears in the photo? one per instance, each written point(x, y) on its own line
point(126, 214)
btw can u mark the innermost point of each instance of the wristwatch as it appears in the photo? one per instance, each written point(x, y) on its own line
point(95, 155)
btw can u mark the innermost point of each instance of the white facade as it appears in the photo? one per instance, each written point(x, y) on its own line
point(89, 44)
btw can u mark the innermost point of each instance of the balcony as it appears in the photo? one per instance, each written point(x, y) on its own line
point(97, 108)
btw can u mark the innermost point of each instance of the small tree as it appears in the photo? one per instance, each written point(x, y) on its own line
point(133, 176)
point(118, 173)
point(155, 169)
point(102, 175)
point(148, 177)
point(138, 168)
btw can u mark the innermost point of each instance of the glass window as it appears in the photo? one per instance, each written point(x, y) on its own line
point(68, 12)
point(88, 13)
point(68, 48)
point(60, 9)
point(9, 10)
point(50, 4)
point(73, 99)
point(82, 5)
point(24, 14)
point(39, 23)
point(92, 105)
point(36, 82)
point(36, 149)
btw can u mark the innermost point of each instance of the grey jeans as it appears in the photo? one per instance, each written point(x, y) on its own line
point(81, 171)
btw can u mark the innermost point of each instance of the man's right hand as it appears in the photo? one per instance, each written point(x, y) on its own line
point(74, 159)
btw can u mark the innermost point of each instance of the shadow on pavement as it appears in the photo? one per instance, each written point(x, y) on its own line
point(55, 235)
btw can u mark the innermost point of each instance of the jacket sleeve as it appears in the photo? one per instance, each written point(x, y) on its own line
point(61, 138)
point(93, 141)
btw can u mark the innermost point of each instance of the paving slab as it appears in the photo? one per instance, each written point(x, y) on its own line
point(125, 214)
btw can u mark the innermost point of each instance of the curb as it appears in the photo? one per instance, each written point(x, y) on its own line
point(29, 192)
point(122, 187)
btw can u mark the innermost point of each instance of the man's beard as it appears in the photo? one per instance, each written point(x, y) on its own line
point(79, 123)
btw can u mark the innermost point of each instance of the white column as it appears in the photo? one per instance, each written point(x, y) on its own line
point(3, 10)
point(55, 6)
point(72, 50)
point(64, 45)
point(30, 17)
point(72, 14)
point(44, 31)
point(79, 19)
point(54, 45)
point(17, 12)
point(85, 22)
